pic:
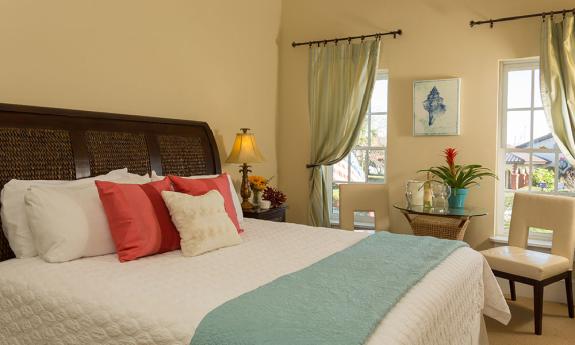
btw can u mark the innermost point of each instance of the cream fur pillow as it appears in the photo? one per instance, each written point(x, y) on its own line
point(202, 222)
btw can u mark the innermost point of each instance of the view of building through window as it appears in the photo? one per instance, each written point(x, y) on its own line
point(531, 161)
point(366, 162)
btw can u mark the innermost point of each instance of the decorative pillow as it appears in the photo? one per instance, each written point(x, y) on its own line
point(201, 186)
point(68, 222)
point(14, 220)
point(202, 222)
point(138, 218)
point(235, 197)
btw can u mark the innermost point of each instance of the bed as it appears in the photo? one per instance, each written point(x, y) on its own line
point(162, 299)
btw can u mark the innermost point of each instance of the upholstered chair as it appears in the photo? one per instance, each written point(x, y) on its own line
point(518, 264)
point(363, 197)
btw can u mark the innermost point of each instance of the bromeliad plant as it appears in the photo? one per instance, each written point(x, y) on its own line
point(459, 176)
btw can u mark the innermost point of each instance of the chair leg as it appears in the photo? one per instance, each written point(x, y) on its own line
point(512, 289)
point(569, 291)
point(538, 307)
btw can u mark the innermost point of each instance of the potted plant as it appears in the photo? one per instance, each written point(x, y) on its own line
point(458, 177)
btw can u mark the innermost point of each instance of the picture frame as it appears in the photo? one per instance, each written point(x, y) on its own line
point(436, 107)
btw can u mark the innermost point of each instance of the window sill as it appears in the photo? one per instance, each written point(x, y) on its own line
point(500, 239)
point(357, 225)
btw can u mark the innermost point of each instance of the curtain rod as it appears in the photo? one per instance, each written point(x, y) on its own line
point(505, 19)
point(362, 37)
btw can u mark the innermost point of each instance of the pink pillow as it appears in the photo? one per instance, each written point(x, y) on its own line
point(139, 221)
point(201, 186)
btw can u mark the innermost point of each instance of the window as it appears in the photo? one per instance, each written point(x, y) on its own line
point(530, 161)
point(366, 162)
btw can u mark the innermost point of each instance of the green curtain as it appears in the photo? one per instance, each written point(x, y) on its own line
point(341, 79)
point(558, 81)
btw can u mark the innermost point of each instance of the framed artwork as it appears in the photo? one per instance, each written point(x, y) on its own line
point(436, 107)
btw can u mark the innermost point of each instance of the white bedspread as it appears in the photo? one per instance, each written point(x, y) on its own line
point(160, 300)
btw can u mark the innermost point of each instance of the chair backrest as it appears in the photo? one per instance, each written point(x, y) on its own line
point(549, 212)
point(363, 197)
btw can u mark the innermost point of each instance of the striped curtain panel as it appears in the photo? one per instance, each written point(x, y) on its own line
point(341, 79)
point(558, 81)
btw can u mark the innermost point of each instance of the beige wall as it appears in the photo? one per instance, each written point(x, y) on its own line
point(213, 61)
point(437, 43)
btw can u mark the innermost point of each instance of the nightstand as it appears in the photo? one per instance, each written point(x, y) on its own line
point(277, 214)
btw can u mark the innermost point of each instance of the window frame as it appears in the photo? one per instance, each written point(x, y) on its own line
point(507, 66)
point(361, 221)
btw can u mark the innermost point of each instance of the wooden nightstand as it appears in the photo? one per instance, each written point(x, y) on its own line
point(277, 214)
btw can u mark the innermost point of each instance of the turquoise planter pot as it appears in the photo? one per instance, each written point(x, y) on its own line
point(457, 197)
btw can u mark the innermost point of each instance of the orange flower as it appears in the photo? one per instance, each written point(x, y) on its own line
point(258, 183)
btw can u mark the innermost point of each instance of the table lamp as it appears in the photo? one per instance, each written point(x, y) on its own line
point(243, 152)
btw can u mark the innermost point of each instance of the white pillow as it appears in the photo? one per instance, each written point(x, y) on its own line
point(235, 198)
point(68, 221)
point(202, 222)
point(13, 211)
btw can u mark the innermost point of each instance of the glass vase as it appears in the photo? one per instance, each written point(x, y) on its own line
point(257, 197)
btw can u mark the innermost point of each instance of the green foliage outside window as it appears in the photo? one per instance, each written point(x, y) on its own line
point(544, 179)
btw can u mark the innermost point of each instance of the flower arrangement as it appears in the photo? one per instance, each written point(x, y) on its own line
point(258, 183)
point(275, 196)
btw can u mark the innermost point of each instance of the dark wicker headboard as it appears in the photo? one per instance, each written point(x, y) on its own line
point(58, 144)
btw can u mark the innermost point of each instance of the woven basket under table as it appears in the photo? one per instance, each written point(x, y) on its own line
point(440, 227)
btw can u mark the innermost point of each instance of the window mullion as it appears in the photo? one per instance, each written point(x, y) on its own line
point(531, 171)
point(532, 112)
point(520, 109)
point(556, 177)
point(349, 166)
point(366, 153)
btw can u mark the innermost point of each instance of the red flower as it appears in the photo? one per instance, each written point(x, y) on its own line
point(275, 196)
point(450, 154)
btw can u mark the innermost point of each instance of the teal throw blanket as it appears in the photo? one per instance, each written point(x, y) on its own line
point(338, 300)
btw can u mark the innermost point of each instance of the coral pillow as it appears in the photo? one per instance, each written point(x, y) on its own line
point(201, 186)
point(139, 220)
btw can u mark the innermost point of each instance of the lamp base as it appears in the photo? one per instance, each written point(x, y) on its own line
point(246, 205)
point(245, 190)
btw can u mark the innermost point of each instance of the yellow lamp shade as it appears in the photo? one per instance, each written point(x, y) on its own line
point(245, 149)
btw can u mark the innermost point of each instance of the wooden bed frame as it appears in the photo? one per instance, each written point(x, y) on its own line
point(39, 143)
